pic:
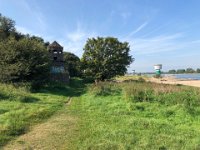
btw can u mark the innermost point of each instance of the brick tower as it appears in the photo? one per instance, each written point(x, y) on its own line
point(59, 71)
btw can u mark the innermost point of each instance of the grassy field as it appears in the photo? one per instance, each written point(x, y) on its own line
point(20, 109)
point(125, 115)
point(138, 115)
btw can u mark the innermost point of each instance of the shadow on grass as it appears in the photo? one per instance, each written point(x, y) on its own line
point(2, 111)
point(29, 99)
point(75, 88)
point(2, 96)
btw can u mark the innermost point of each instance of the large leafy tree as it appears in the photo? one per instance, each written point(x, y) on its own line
point(104, 58)
point(22, 57)
point(73, 64)
point(23, 60)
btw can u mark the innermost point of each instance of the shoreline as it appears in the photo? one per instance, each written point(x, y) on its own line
point(173, 80)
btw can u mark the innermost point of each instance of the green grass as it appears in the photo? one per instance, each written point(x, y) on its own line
point(138, 115)
point(20, 108)
point(126, 115)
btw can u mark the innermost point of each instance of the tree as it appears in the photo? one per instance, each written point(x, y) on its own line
point(198, 70)
point(73, 64)
point(180, 71)
point(104, 58)
point(172, 71)
point(190, 70)
point(7, 27)
point(23, 60)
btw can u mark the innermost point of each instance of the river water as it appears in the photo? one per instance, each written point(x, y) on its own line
point(193, 76)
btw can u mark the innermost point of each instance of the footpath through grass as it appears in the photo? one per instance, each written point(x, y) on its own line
point(138, 115)
point(128, 115)
point(20, 109)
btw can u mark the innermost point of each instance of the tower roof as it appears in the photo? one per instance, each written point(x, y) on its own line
point(55, 44)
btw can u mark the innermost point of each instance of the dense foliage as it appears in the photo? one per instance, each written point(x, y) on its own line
point(23, 60)
point(73, 64)
point(104, 58)
point(22, 57)
point(7, 27)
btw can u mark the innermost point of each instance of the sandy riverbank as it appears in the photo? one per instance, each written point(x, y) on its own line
point(171, 80)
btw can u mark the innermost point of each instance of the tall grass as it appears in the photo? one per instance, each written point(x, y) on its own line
point(169, 95)
point(138, 115)
point(126, 115)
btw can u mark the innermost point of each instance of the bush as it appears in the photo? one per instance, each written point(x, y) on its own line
point(105, 89)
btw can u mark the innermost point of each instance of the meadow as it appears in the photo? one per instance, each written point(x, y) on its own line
point(132, 114)
point(22, 108)
point(138, 115)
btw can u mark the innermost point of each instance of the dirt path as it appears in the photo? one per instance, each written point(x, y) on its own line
point(54, 134)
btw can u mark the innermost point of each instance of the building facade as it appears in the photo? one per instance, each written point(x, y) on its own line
point(58, 70)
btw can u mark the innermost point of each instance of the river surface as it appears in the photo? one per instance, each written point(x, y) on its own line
point(194, 76)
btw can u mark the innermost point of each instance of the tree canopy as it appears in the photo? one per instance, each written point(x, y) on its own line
point(173, 71)
point(23, 60)
point(198, 70)
point(7, 27)
point(104, 58)
point(22, 57)
point(180, 71)
point(73, 64)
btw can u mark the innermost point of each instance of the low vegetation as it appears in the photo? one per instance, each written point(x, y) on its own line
point(138, 115)
point(132, 114)
point(20, 108)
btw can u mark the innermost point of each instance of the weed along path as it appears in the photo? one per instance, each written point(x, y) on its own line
point(55, 133)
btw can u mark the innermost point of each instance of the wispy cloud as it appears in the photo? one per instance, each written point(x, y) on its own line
point(77, 35)
point(74, 41)
point(125, 15)
point(34, 12)
point(173, 51)
point(156, 44)
point(138, 29)
point(31, 32)
point(24, 30)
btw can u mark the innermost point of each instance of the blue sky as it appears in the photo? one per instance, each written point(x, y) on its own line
point(158, 31)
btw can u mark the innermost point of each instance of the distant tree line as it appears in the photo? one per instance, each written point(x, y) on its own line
point(180, 71)
point(25, 58)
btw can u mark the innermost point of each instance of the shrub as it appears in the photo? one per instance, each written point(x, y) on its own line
point(105, 89)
